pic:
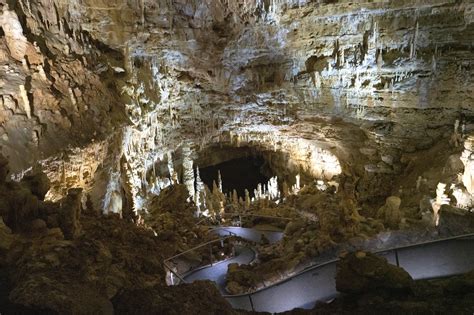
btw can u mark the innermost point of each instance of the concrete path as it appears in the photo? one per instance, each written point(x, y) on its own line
point(430, 260)
point(250, 234)
point(218, 271)
point(244, 255)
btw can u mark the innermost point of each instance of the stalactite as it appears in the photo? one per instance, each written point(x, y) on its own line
point(73, 98)
point(413, 44)
point(171, 168)
point(433, 63)
point(379, 60)
point(42, 73)
point(26, 101)
point(188, 170)
point(24, 63)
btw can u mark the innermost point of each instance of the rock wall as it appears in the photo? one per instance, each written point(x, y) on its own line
point(363, 83)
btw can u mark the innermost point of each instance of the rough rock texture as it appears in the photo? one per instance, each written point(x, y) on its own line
point(320, 220)
point(362, 272)
point(197, 298)
point(123, 99)
point(338, 87)
point(443, 296)
point(81, 276)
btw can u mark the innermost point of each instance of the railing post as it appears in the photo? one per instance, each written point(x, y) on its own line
point(251, 302)
point(210, 253)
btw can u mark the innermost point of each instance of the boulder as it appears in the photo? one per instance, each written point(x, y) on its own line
point(455, 221)
point(362, 272)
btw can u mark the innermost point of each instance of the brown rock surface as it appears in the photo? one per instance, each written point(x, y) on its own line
point(199, 297)
point(362, 272)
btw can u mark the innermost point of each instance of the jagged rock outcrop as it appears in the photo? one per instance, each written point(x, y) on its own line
point(198, 298)
point(453, 294)
point(122, 98)
point(285, 75)
point(363, 272)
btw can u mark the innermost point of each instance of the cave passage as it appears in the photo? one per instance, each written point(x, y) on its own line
point(239, 174)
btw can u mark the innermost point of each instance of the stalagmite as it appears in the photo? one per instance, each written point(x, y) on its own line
point(247, 199)
point(296, 186)
point(456, 137)
point(200, 194)
point(235, 198)
point(441, 199)
point(273, 192)
point(219, 180)
point(467, 159)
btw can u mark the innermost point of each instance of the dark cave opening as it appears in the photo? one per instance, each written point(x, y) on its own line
point(239, 174)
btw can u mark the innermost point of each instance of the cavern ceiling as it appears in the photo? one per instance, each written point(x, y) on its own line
point(343, 119)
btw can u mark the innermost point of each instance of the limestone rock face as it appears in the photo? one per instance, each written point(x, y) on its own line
point(145, 80)
point(122, 99)
point(16, 41)
point(362, 272)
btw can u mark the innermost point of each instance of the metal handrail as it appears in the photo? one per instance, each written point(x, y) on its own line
point(202, 245)
point(337, 259)
point(167, 266)
point(305, 270)
point(247, 215)
point(255, 215)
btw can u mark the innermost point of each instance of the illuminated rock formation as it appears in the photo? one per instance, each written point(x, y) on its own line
point(350, 106)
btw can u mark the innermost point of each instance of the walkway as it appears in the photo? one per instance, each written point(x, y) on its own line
point(244, 255)
point(434, 259)
point(218, 271)
point(249, 234)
